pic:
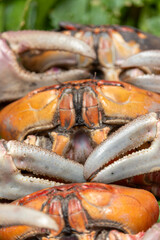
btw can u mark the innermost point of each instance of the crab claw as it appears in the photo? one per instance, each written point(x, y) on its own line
point(153, 233)
point(16, 156)
point(19, 215)
point(98, 166)
point(21, 41)
point(149, 82)
point(16, 80)
point(149, 59)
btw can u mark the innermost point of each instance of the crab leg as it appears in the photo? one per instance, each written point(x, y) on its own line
point(19, 215)
point(151, 59)
point(20, 80)
point(132, 135)
point(149, 82)
point(153, 233)
point(16, 155)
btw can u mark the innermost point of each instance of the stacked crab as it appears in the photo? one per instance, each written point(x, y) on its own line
point(77, 131)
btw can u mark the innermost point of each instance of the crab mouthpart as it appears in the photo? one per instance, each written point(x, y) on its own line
point(80, 147)
point(75, 145)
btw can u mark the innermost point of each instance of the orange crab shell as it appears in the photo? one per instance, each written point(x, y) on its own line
point(83, 208)
point(48, 107)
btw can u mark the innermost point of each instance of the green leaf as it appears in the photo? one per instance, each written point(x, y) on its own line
point(149, 18)
point(29, 15)
point(98, 15)
point(40, 14)
point(43, 10)
point(73, 11)
point(1, 16)
point(114, 4)
point(151, 25)
point(13, 14)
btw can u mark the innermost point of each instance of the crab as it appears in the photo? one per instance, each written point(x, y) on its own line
point(32, 59)
point(71, 126)
point(62, 116)
point(114, 45)
point(78, 213)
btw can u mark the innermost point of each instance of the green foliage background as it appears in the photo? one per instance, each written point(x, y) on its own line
point(46, 14)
